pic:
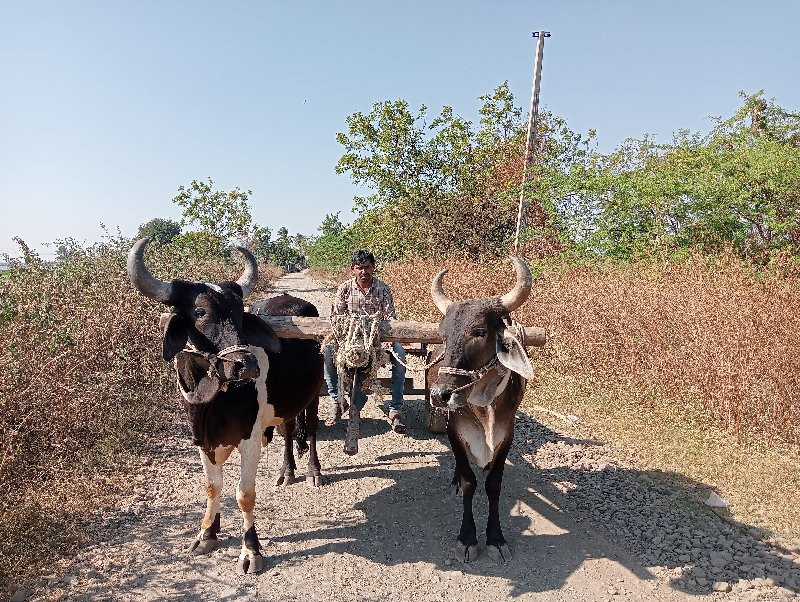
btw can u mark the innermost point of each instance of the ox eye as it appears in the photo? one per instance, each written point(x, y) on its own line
point(199, 312)
point(479, 333)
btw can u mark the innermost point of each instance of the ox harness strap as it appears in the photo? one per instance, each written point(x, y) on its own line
point(494, 363)
point(474, 375)
point(214, 359)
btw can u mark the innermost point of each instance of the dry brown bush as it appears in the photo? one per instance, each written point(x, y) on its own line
point(709, 331)
point(83, 386)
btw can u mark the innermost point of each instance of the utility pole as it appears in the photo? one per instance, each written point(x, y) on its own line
point(530, 145)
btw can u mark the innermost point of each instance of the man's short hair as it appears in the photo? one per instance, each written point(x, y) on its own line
point(362, 256)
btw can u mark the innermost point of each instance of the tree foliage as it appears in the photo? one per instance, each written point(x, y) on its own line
point(259, 241)
point(447, 186)
point(225, 215)
point(737, 187)
point(160, 231)
point(334, 246)
point(284, 251)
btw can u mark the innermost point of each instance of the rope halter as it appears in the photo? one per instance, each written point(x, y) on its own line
point(494, 363)
point(474, 375)
point(214, 359)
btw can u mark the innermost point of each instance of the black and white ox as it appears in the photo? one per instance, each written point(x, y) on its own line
point(480, 381)
point(225, 363)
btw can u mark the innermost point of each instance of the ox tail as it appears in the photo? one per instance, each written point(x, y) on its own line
point(301, 434)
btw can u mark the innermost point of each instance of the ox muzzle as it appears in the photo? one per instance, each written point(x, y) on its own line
point(452, 387)
point(230, 365)
point(449, 397)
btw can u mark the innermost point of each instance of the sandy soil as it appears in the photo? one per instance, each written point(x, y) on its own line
point(384, 524)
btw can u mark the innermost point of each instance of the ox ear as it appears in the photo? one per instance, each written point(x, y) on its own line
point(256, 332)
point(176, 334)
point(512, 354)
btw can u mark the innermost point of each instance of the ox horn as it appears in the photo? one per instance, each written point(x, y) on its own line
point(249, 277)
point(517, 296)
point(142, 279)
point(441, 300)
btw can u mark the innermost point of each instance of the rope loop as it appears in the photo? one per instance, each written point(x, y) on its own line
point(214, 358)
point(417, 368)
point(357, 344)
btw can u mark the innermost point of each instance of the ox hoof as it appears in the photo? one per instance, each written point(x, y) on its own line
point(202, 546)
point(249, 565)
point(464, 553)
point(315, 480)
point(287, 478)
point(500, 555)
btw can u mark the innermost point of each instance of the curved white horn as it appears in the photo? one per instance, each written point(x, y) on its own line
point(517, 296)
point(249, 277)
point(441, 300)
point(142, 279)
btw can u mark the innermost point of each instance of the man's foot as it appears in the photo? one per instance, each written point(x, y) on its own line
point(335, 411)
point(396, 422)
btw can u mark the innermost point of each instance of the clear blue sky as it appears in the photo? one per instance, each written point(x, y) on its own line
point(107, 107)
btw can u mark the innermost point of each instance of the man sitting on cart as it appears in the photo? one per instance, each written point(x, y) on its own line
point(364, 294)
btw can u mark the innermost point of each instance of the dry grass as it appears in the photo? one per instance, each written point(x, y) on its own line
point(83, 386)
point(330, 277)
point(715, 334)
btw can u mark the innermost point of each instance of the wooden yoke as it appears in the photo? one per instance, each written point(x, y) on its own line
point(403, 331)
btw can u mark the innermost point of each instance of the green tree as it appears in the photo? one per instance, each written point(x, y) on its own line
point(736, 187)
point(334, 246)
point(260, 243)
point(199, 244)
point(226, 215)
point(283, 250)
point(159, 231)
point(446, 187)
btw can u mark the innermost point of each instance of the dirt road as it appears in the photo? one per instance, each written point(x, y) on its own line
point(582, 527)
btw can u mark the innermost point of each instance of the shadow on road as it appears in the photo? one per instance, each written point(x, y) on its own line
point(551, 515)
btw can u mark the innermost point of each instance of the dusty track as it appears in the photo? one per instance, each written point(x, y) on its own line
point(383, 526)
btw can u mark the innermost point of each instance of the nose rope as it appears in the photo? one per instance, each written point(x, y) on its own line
point(214, 358)
point(475, 375)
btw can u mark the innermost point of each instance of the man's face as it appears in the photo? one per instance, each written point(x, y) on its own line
point(363, 272)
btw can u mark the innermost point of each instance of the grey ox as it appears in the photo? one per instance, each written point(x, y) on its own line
point(480, 381)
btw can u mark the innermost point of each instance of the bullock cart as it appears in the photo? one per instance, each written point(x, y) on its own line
point(415, 337)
